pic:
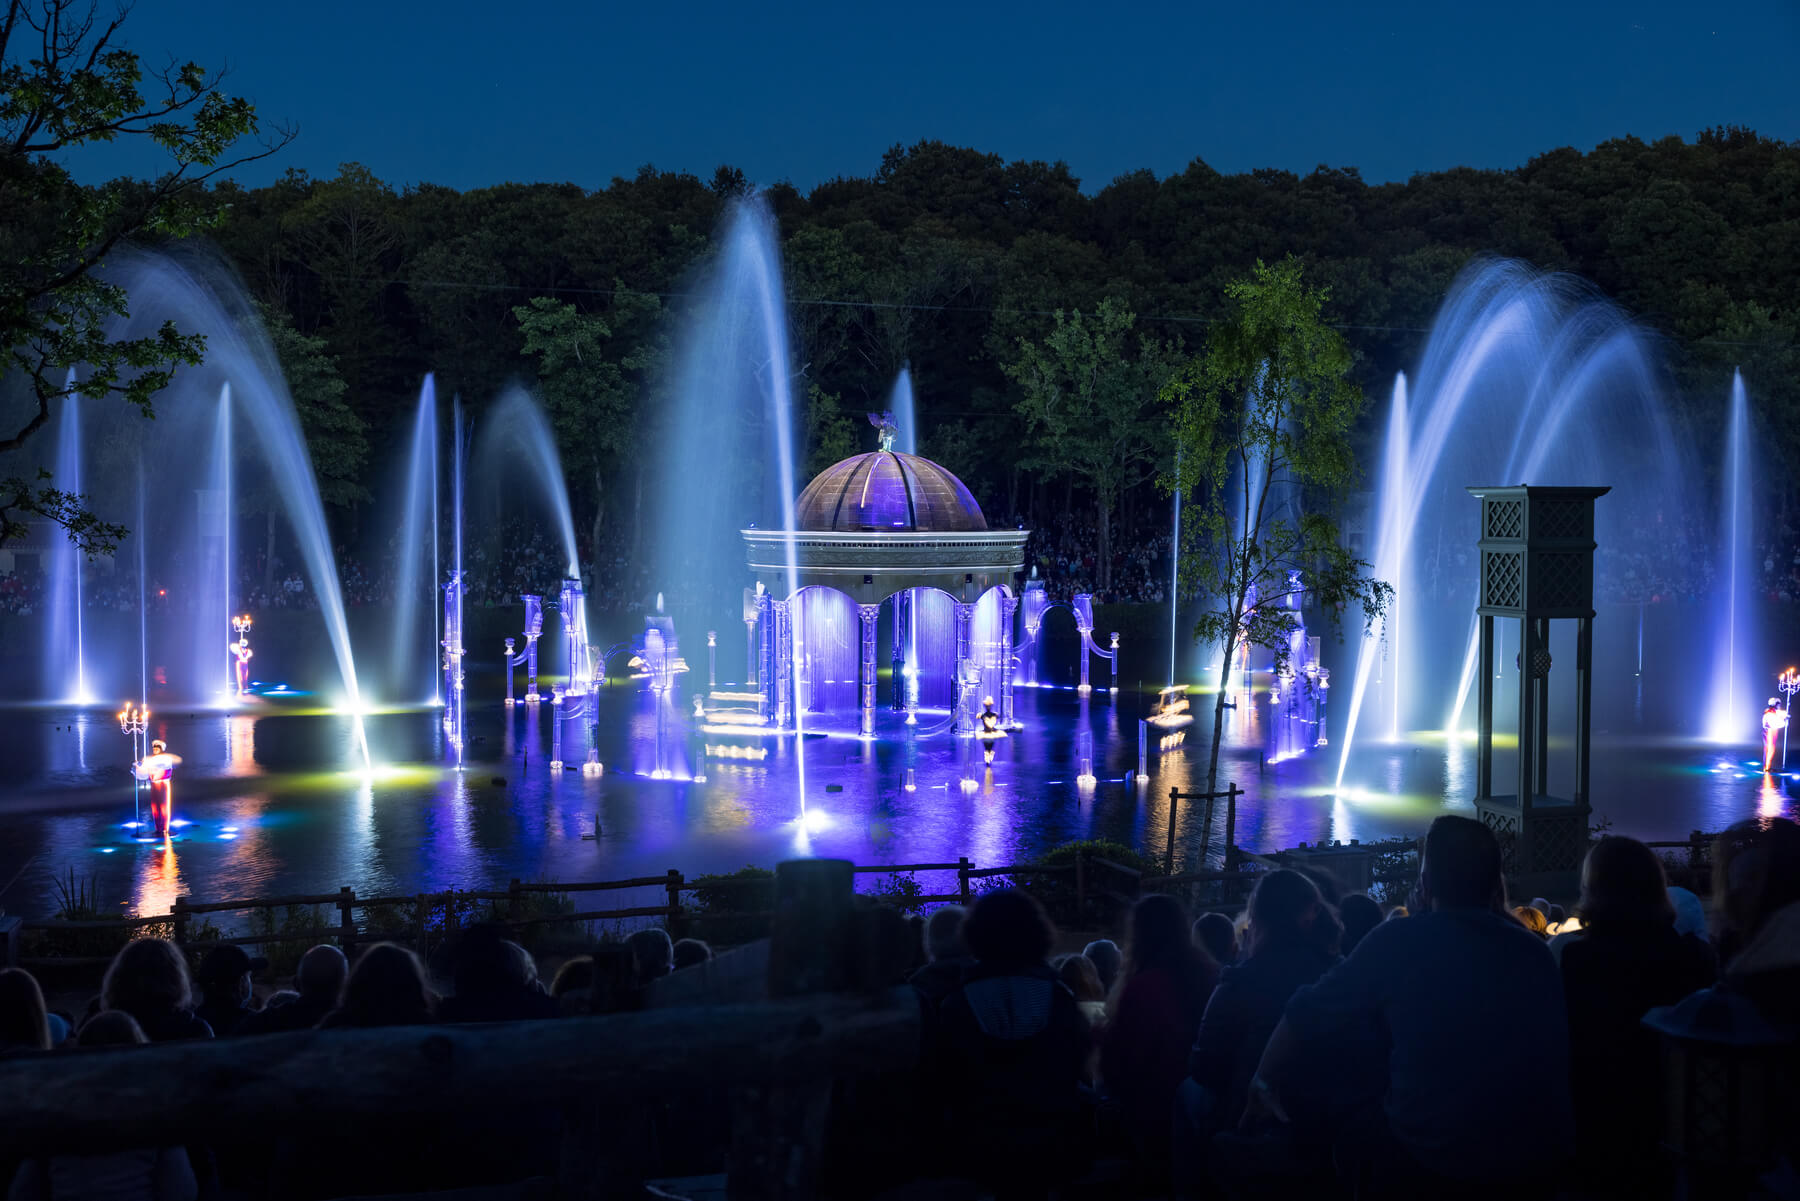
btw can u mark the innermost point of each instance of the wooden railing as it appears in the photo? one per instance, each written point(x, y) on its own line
point(511, 905)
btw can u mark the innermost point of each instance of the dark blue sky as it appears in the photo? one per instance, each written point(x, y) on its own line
point(451, 93)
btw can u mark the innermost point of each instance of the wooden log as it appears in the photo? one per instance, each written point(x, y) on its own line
point(105, 1099)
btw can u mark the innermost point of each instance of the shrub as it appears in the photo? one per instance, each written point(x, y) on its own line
point(732, 907)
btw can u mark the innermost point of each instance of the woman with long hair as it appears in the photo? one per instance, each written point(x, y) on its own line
point(386, 987)
point(24, 1021)
point(1291, 940)
point(1155, 1012)
point(1626, 959)
point(149, 979)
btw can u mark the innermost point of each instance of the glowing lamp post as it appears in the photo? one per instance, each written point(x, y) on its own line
point(240, 650)
point(1789, 685)
point(134, 720)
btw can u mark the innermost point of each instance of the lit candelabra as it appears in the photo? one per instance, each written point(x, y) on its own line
point(240, 650)
point(1789, 683)
point(134, 720)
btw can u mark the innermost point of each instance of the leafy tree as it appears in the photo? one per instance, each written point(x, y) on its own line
point(830, 435)
point(1263, 415)
point(1089, 407)
point(66, 83)
point(584, 391)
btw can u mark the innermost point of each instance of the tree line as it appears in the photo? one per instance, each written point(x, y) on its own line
point(1000, 284)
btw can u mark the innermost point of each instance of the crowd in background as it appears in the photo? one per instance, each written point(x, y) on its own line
point(1655, 562)
point(1313, 1045)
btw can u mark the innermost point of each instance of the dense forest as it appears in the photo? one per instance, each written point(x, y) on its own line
point(945, 258)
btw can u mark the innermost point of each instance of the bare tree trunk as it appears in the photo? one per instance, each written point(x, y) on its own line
point(1212, 762)
point(599, 516)
point(1104, 575)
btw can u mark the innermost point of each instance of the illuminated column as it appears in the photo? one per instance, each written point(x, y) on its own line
point(1008, 605)
point(511, 662)
point(765, 654)
point(556, 725)
point(965, 715)
point(712, 659)
point(1114, 661)
point(1083, 605)
point(453, 663)
point(574, 615)
point(867, 615)
point(752, 611)
point(534, 629)
point(784, 663)
point(899, 661)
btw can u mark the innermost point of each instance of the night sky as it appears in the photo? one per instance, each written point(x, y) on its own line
point(446, 93)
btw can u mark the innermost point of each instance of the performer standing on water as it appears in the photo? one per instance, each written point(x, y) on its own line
point(1774, 721)
point(158, 769)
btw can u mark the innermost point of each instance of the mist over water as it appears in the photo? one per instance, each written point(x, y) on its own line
point(1529, 378)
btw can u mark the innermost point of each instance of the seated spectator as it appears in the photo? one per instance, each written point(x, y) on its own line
point(690, 952)
point(1291, 941)
point(573, 986)
point(154, 1174)
point(654, 953)
point(1470, 1003)
point(1082, 979)
point(1754, 1010)
point(319, 981)
point(945, 956)
point(385, 988)
point(1104, 954)
point(1015, 1045)
point(495, 980)
point(1218, 937)
point(24, 1022)
point(1690, 913)
point(617, 988)
point(1625, 960)
point(1532, 918)
point(1358, 915)
point(228, 996)
point(1398, 911)
point(148, 979)
point(1152, 1019)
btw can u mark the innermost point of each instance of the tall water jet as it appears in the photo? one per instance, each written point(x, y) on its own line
point(200, 295)
point(222, 455)
point(900, 404)
point(516, 426)
point(1728, 710)
point(412, 592)
point(1393, 545)
point(1175, 581)
point(731, 419)
point(65, 651)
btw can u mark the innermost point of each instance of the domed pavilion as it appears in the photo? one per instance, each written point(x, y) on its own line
point(885, 529)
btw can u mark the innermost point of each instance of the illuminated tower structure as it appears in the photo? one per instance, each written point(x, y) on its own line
point(1537, 566)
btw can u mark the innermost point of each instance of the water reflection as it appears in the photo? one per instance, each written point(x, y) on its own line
point(266, 818)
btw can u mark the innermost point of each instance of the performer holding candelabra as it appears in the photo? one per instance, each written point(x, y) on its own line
point(241, 651)
point(157, 769)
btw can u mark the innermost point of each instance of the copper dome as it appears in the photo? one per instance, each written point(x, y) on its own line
point(886, 491)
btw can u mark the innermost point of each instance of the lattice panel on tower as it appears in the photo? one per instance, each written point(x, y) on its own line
point(1505, 519)
point(1562, 580)
point(1562, 519)
point(1503, 579)
point(1558, 843)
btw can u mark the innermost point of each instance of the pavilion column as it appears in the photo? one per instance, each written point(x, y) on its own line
point(784, 664)
point(764, 672)
point(867, 615)
point(1008, 606)
point(965, 622)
